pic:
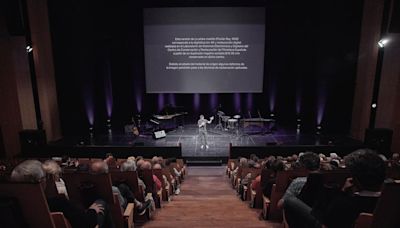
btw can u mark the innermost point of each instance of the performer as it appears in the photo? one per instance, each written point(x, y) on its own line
point(202, 123)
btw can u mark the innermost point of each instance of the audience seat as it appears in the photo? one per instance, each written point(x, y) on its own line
point(257, 194)
point(270, 205)
point(246, 189)
point(317, 181)
point(84, 188)
point(165, 188)
point(32, 205)
point(386, 213)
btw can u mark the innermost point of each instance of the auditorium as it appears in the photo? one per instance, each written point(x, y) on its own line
point(200, 113)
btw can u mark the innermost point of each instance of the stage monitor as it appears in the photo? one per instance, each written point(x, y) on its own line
point(204, 49)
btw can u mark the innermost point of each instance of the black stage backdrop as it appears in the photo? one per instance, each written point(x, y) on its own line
point(310, 64)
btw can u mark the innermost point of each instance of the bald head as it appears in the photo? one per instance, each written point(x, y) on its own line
point(146, 165)
point(157, 166)
point(99, 167)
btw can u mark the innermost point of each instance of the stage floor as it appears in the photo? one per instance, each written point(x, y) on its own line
point(218, 140)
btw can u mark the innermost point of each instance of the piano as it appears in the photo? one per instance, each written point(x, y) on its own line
point(170, 117)
point(256, 121)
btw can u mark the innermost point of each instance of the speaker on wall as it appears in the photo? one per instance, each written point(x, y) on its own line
point(32, 139)
point(159, 134)
point(379, 139)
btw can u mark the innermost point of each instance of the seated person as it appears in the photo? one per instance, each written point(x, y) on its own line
point(125, 195)
point(130, 165)
point(275, 166)
point(110, 160)
point(155, 178)
point(51, 167)
point(242, 163)
point(360, 193)
point(309, 161)
point(96, 214)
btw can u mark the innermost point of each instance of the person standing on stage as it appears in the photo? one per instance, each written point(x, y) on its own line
point(202, 123)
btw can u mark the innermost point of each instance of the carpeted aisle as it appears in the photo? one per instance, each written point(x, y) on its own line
point(207, 200)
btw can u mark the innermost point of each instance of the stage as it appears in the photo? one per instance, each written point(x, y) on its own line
point(222, 143)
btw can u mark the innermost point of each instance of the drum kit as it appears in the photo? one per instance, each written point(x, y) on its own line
point(231, 123)
point(226, 123)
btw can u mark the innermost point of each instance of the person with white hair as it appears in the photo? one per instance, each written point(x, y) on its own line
point(95, 215)
point(52, 168)
point(123, 191)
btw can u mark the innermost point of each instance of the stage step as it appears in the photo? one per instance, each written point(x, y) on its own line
point(204, 162)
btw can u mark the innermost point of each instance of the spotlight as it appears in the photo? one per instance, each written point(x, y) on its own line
point(108, 125)
point(382, 43)
point(373, 105)
point(91, 131)
point(272, 115)
point(298, 125)
point(319, 128)
point(29, 49)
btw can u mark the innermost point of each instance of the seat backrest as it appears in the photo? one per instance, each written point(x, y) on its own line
point(51, 187)
point(130, 178)
point(159, 174)
point(31, 202)
point(265, 176)
point(283, 180)
point(318, 181)
point(386, 213)
point(84, 188)
point(147, 176)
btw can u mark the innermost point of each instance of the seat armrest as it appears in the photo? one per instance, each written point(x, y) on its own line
point(59, 220)
point(266, 200)
point(364, 220)
point(266, 207)
point(128, 214)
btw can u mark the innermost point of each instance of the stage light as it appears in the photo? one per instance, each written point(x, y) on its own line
point(382, 43)
point(373, 105)
point(91, 131)
point(319, 128)
point(29, 49)
point(272, 115)
point(108, 125)
point(298, 125)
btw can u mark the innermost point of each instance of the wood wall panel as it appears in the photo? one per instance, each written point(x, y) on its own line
point(43, 58)
point(368, 52)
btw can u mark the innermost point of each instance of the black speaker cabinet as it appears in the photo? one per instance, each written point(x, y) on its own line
point(32, 139)
point(379, 139)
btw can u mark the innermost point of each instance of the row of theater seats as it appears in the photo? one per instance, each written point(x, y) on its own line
point(25, 204)
point(385, 214)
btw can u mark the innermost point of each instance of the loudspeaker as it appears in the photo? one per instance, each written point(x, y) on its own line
point(379, 139)
point(32, 139)
point(159, 134)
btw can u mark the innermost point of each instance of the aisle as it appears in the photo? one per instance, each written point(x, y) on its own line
point(207, 200)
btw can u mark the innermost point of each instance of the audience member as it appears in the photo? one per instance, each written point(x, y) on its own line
point(52, 168)
point(96, 214)
point(359, 194)
point(311, 162)
point(123, 191)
